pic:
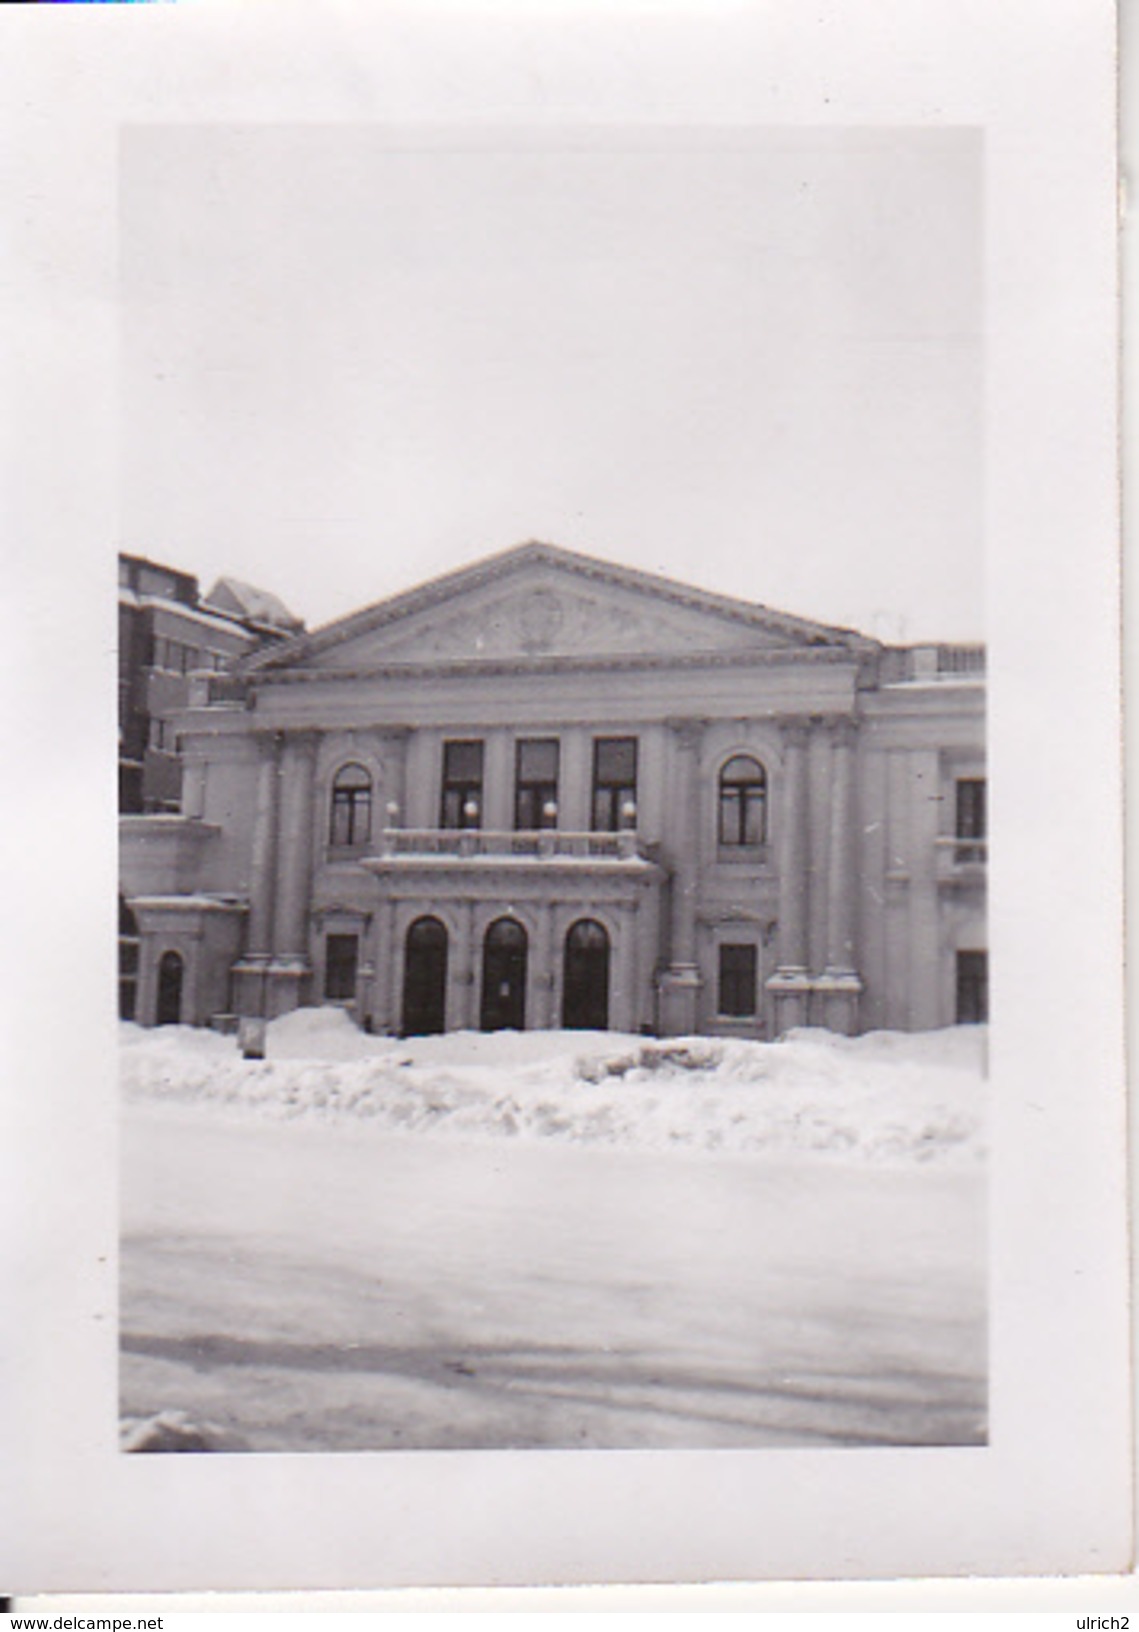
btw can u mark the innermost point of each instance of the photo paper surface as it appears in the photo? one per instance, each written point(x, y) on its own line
point(585, 555)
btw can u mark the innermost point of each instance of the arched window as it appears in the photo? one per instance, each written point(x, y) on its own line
point(743, 802)
point(128, 962)
point(351, 806)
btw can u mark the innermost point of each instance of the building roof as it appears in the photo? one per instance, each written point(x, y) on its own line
point(234, 598)
point(543, 585)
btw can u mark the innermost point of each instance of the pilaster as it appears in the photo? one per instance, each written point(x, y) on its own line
point(839, 987)
point(251, 970)
point(790, 985)
point(498, 782)
point(681, 982)
point(465, 985)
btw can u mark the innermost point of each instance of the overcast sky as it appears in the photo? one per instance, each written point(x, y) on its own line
point(353, 358)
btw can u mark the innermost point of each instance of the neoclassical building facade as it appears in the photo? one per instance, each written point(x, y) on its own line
point(548, 791)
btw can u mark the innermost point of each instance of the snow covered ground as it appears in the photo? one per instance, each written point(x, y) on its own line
point(558, 1239)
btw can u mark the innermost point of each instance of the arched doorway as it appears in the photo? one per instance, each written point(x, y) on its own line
point(585, 984)
point(168, 1011)
point(504, 977)
point(425, 979)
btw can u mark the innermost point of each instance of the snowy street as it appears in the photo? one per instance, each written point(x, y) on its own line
point(307, 1279)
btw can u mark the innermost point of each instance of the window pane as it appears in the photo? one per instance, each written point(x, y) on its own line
point(452, 808)
point(537, 761)
point(742, 769)
point(353, 776)
point(615, 761)
point(729, 821)
point(753, 830)
point(462, 761)
point(361, 820)
point(971, 808)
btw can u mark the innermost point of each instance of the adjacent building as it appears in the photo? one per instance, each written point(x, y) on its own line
point(168, 632)
point(548, 791)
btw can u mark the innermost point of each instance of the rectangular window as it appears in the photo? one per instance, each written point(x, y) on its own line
point(341, 955)
point(461, 804)
point(163, 738)
point(614, 784)
point(737, 995)
point(972, 988)
point(970, 818)
point(175, 656)
point(536, 785)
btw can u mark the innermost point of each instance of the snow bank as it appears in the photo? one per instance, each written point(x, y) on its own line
point(886, 1098)
point(174, 1430)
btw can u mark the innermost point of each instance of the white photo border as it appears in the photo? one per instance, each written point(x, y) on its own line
point(1051, 1492)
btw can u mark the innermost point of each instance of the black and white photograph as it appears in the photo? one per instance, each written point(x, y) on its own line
point(556, 990)
point(602, 997)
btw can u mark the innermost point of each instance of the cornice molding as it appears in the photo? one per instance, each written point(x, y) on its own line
point(815, 656)
point(586, 568)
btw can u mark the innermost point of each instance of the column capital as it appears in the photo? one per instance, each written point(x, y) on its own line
point(688, 731)
point(303, 741)
point(795, 729)
point(842, 729)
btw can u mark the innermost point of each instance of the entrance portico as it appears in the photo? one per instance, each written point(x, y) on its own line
point(529, 930)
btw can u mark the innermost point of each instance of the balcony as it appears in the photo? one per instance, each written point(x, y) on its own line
point(961, 862)
point(433, 847)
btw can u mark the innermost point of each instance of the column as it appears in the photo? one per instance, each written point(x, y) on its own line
point(840, 879)
point(839, 986)
point(923, 769)
point(290, 966)
point(394, 973)
point(575, 780)
point(790, 984)
point(385, 1017)
point(422, 760)
point(623, 992)
point(251, 968)
point(539, 969)
point(466, 981)
point(681, 982)
point(498, 782)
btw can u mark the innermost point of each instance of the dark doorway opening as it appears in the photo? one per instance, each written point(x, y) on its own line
point(585, 986)
point(972, 988)
point(425, 979)
point(169, 1008)
point(504, 977)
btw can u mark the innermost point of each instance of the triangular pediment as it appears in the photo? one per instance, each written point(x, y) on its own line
point(540, 603)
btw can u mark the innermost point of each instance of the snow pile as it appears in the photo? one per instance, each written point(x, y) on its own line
point(886, 1098)
point(175, 1431)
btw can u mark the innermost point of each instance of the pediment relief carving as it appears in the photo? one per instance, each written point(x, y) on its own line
point(546, 620)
